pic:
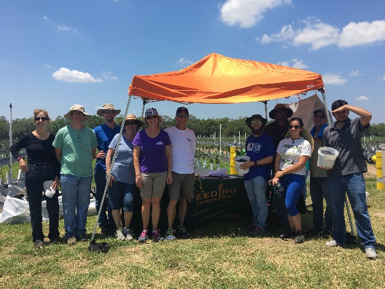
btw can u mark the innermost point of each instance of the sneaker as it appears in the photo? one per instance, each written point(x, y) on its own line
point(370, 253)
point(332, 243)
point(257, 230)
point(119, 235)
point(143, 237)
point(299, 238)
point(288, 234)
point(170, 234)
point(39, 244)
point(182, 231)
point(128, 234)
point(71, 240)
point(156, 236)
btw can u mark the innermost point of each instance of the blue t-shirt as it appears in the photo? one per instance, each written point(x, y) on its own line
point(258, 148)
point(104, 135)
point(123, 169)
point(152, 151)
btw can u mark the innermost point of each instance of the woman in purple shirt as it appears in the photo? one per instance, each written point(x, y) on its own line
point(152, 163)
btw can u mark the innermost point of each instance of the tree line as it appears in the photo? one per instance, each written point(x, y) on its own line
point(201, 127)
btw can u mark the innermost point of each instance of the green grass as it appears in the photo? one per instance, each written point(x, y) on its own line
point(219, 255)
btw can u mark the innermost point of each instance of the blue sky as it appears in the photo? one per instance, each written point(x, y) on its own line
point(54, 53)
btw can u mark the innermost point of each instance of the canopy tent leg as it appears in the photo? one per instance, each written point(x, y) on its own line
point(109, 175)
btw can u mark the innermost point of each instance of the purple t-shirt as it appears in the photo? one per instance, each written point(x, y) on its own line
point(152, 151)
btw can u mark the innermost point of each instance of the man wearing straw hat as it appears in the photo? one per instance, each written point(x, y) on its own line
point(318, 186)
point(75, 148)
point(104, 135)
point(347, 174)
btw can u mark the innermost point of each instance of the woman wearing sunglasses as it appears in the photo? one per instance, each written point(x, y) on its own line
point(152, 163)
point(42, 166)
point(292, 155)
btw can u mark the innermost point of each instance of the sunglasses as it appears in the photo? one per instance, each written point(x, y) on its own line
point(182, 115)
point(109, 111)
point(130, 123)
point(295, 126)
point(151, 116)
point(319, 116)
point(256, 122)
point(41, 118)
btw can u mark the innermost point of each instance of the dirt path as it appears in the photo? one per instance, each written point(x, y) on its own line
point(372, 169)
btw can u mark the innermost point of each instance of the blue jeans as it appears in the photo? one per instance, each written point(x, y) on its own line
point(121, 195)
point(354, 185)
point(293, 185)
point(100, 182)
point(76, 199)
point(256, 191)
point(319, 192)
point(34, 179)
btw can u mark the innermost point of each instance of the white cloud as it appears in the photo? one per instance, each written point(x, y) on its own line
point(295, 63)
point(319, 35)
point(362, 98)
point(108, 75)
point(65, 28)
point(355, 73)
point(247, 13)
point(383, 78)
point(64, 74)
point(183, 61)
point(47, 65)
point(362, 33)
point(46, 18)
point(333, 79)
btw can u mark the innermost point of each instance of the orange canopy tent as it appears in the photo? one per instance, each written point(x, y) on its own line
point(220, 79)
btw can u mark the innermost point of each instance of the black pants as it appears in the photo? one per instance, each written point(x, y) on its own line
point(35, 177)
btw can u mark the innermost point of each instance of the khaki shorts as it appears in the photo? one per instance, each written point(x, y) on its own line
point(153, 185)
point(182, 186)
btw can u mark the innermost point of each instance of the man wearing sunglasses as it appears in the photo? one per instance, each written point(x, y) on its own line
point(318, 187)
point(104, 135)
point(347, 174)
point(183, 144)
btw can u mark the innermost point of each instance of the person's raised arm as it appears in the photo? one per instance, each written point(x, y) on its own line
point(365, 115)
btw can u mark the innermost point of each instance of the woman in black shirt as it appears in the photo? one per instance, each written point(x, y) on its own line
point(42, 166)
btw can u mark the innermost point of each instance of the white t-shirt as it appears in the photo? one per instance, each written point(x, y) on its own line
point(290, 153)
point(183, 144)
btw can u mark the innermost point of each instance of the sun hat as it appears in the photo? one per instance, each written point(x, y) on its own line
point(77, 107)
point(249, 119)
point(151, 111)
point(289, 112)
point(107, 106)
point(132, 117)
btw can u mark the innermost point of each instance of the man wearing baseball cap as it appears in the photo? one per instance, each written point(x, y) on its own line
point(183, 144)
point(318, 184)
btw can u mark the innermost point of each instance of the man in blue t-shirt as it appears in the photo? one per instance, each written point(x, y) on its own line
point(104, 135)
point(260, 148)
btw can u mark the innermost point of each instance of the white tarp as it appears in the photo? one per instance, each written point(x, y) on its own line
point(16, 211)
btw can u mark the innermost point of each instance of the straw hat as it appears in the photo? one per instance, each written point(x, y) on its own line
point(107, 106)
point(77, 107)
point(306, 135)
point(289, 112)
point(132, 117)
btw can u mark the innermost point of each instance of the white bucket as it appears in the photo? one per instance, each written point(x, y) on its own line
point(240, 160)
point(327, 157)
point(48, 191)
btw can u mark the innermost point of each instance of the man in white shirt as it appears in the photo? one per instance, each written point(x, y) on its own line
point(183, 144)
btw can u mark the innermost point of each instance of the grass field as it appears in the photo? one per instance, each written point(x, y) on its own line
point(218, 255)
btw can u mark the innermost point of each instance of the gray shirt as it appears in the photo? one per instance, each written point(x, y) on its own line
point(347, 141)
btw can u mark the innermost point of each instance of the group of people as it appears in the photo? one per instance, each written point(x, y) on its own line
point(278, 155)
point(151, 158)
point(148, 159)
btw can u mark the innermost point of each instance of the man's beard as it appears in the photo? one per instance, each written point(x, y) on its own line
point(257, 130)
